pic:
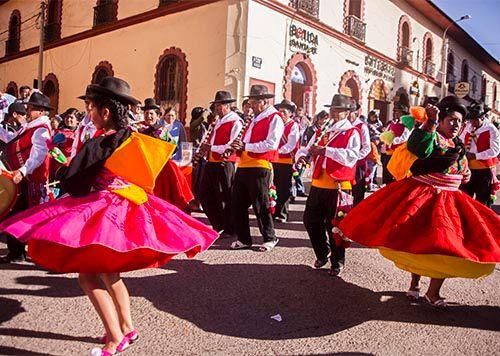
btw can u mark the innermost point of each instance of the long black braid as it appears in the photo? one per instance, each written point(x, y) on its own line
point(117, 110)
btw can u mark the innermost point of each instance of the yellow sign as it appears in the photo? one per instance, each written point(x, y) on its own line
point(462, 89)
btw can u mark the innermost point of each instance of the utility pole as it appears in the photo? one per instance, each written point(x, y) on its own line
point(42, 38)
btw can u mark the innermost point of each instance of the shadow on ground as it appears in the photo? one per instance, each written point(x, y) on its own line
point(239, 300)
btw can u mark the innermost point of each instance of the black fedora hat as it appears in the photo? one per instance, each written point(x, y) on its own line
point(452, 103)
point(17, 107)
point(258, 91)
point(223, 97)
point(286, 104)
point(114, 88)
point(87, 93)
point(476, 110)
point(150, 104)
point(39, 100)
point(340, 101)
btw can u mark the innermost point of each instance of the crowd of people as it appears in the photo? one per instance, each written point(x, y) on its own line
point(125, 167)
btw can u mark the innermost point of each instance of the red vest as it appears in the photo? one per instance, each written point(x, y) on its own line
point(222, 137)
point(398, 129)
point(18, 152)
point(483, 144)
point(334, 169)
point(259, 133)
point(284, 139)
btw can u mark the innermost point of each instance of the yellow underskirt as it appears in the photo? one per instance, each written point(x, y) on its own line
point(326, 182)
point(212, 159)
point(437, 266)
point(248, 162)
point(475, 164)
point(132, 193)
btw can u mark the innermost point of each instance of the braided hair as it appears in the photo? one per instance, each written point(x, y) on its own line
point(118, 111)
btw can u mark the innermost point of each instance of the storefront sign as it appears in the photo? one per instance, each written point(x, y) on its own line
point(303, 40)
point(379, 68)
point(414, 89)
point(256, 62)
point(462, 89)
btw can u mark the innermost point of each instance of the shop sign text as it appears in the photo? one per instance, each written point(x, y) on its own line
point(379, 68)
point(303, 40)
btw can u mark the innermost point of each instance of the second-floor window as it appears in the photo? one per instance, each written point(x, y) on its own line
point(310, 7)
point(405, 54)
point(465, 71)
point(105, 11)
point(429, 66)
point(353, 19)
point(450, 68)
point(53, 24)
point(12, 45)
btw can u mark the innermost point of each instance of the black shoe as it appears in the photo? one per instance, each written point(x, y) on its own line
point(320, 263)
point(12, 259)
point(336, 271)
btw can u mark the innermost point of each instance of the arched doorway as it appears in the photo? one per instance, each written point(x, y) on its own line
point(301, 83)
point(102, 70)
point(50, 88)
point(350, 85)
point(377, 99)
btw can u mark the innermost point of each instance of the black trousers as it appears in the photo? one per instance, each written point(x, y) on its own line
point(283, 181)
point(359, 189)
point(321, 207)
point(251, 187)
point(215, 194)
point(386, 175)
point(480, 186)
point(16, 248)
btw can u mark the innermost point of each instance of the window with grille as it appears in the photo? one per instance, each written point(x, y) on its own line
point(12, 45)
point(169, 77)
point(310, 7)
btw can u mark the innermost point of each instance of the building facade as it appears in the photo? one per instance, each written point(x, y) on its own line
point(182, 51)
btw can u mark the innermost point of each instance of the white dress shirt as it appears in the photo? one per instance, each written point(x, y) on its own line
point(347, 156)
point(39, 149)
point(85, 130)
point(365, 138)
point(274, 134)
point(237, 126)
point(291, 140)
point(494, 149)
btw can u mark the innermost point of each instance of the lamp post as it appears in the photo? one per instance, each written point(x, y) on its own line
point(444, 55)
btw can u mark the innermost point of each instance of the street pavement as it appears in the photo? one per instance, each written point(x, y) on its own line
point(222, 303)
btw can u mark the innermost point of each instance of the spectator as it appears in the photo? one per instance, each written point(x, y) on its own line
point(176, 131)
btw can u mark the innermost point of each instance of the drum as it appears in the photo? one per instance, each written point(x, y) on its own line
point(8, 193)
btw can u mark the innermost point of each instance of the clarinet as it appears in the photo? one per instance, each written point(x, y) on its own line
point(319, 137)
point(198, 155)
point(230, 151)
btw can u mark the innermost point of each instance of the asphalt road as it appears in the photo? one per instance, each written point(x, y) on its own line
point(221, 303)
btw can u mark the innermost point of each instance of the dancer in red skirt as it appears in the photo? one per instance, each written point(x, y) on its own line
point(424, 223)
point(110, 222)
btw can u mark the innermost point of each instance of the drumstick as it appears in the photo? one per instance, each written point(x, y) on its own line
point(53, 183)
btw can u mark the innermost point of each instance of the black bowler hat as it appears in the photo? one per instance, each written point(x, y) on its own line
point(223, 97)
point(340, 101)
point(286, 104)
point(18, 107)
point(112, 87)
point(258, 91)
point(87, 93)
point(452, 103)
point(150, 104)
point(39, 100)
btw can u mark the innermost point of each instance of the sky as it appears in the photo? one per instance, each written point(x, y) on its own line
point(484, 26)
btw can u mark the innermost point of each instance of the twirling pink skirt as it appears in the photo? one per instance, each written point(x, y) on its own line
point(102, 233)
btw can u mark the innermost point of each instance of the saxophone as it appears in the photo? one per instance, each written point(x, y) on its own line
point(230, 150)
point(206, 137)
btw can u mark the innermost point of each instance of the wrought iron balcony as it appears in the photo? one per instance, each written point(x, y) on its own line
point(11, 46)
point(105, 12)
point(405, 56)
point(310, 7)
point(52, 32)
point(354, 27)
point(429, 68)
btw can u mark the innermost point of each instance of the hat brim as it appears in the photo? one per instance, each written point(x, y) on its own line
point(152, 107)
point(260, 96)
point(38, 105)
point(338, 107)
point(97, 89)
point(285, 106)
point(225, 101)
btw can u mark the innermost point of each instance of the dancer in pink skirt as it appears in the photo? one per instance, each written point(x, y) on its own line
point(110, 222)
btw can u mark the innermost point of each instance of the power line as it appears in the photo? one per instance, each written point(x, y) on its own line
point(22, 22)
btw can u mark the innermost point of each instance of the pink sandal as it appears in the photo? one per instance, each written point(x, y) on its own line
point(131, 336)
point(122, 346)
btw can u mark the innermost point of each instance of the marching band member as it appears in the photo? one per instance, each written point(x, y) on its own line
point(218, 173)
point(283, 165)
point(483, 139)
point(257, 149)
point(27, 156)
point(335, 156)
point(424, 223)
point(359, 188)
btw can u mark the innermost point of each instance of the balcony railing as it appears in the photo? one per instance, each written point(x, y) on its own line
point(405, 56)
point(52, 32)
point(105, 12)
point(310, 7)
point(354, 27)
point(429, 68)
point(11, 46)
point(167, 2)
